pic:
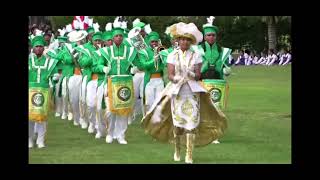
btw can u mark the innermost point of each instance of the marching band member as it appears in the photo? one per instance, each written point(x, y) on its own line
point(215, 64)
point(115, 61)
point(101, 85)
point(152, 65)
point(138, 74)
point(67, 70)
point(40, 70)
point(189, 100)
point(85, 62)
point(74, 84)
point(91, 84)
point(57, 77)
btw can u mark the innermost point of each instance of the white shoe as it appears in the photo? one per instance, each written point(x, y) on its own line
point(57, 114)
point(175, 157)
point(41, 145)
point(129, 122)
point(70, 116)
point(75, 123)
point(109, 139)
point(215, 142)
point(188, 160)
point(122, 141)
point(30, 143)
point(84, 125)
point(98, 135)
point(64, 116)
point(91, 128)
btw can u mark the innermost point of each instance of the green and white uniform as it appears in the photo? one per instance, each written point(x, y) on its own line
point(116, 61)
point(40, 70)
point(153, 82)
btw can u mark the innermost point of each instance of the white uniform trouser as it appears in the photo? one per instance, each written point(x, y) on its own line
point(153, 90)
point(101, 116)
point(58, 100)
point(91, 101)
point(83, 100)
point(117, 125)
point(74, 86)
point(66, 106)
point(40, 129)
point(138, 92)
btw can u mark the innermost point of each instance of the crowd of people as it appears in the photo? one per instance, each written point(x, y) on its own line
point(104, 80)
point(248, 58)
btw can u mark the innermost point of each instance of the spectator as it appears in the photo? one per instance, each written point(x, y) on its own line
point(263, 58)
point(272, 57)
point(285, 58)
point(247, 58)
point(255, 58)
point(240, 60)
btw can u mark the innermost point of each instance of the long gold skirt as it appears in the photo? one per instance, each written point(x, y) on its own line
point(212, 126)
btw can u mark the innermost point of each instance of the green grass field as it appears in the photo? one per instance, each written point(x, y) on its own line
point(259, 113)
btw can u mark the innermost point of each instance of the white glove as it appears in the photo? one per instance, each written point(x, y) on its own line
point(134, 70)
point(106, 69)
point(56, 77)
point(176, 78)
point(227, 71)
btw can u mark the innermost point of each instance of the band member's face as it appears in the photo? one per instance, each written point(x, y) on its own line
point(210, 38)
point(81, 42)
point(47, 38)
point(38, 50)
point(34, 31)
point(154, 43)
point(117, 39)
point(108, 43)
point(97, 43)
point(143, 33)
point(184, 43)
point(89, 37)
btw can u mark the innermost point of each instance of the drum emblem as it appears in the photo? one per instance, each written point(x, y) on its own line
point(215, 95)
point(124, 93)
point(37, 99)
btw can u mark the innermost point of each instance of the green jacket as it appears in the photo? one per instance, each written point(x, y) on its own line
point(146, 63)
point(40, 70)
point(65, 57)
point(86, 60)
point(109, 56)
point(213, 57)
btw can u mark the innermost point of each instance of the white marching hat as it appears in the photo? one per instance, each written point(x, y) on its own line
point(189, 31)
point(75, 36)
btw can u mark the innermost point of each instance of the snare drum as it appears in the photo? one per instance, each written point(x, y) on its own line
point(38, 104)
point(121, 94)
point(219, 90)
